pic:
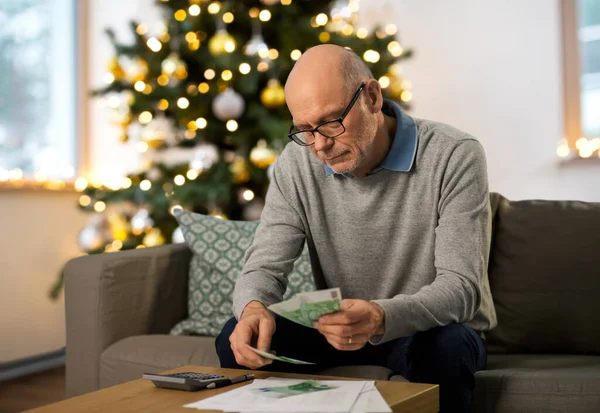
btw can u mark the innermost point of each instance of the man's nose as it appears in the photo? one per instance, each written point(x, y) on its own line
point(322, 142)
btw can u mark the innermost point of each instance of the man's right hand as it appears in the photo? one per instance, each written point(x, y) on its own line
point(256, 322)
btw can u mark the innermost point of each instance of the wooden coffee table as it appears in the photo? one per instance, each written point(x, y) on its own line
point(141, 395)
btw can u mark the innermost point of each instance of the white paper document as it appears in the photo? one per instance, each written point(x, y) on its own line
point(347, 396)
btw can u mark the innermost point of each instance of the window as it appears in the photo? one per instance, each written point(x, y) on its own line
point(581, 54)
point(38, 90)
point(589, 46)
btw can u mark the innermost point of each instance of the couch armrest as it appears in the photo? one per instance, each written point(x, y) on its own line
point(109, 297)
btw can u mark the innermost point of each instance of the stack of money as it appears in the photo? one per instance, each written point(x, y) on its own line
point(306, 308)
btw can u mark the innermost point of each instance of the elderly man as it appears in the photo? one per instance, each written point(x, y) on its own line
point(395, 211)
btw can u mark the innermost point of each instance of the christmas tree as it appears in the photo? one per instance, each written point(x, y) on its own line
point(205, 102)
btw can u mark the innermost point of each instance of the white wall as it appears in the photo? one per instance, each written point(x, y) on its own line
point(39, 235)
point(493, 69)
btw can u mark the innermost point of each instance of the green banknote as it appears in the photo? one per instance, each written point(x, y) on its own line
point(279, 392)
point(306, 308)
point(280, 358)
point(291, 310)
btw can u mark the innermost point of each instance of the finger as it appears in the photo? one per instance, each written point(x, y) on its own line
point(342, 318)
point(343, 330)
point(265, 333)
point(343, 344)
point(244, 356)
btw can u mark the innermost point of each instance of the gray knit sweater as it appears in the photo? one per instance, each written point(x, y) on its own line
point(415, 242)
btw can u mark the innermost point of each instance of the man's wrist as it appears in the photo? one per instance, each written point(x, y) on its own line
point(252, 305)
point(379, 319)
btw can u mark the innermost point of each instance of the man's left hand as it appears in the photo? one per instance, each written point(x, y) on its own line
point(351, 328)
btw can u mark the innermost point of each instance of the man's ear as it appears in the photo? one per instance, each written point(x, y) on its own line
point(374, 95)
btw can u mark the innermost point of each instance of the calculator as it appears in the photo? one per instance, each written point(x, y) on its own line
point(188, 381)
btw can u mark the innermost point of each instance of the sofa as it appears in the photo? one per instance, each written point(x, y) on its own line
point(544, 355)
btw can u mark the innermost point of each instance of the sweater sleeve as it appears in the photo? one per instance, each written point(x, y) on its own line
point(462, 244)
point(277, 243)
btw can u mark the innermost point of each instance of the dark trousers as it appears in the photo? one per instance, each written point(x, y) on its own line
point(448, 356)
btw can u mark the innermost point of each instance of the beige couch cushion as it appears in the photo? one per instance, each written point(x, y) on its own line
point(538, 383)
point(127, 359)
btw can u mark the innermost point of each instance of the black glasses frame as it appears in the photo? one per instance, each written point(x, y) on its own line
point(301, 142)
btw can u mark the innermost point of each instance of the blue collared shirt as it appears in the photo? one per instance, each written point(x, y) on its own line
point(401, 156)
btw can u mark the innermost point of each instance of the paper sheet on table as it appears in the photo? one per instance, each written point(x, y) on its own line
point(338, 400)
point(369, 400)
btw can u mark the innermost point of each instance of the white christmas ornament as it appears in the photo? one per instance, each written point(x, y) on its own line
point(95, 235)
point(154, 174)
point(141, 221)
point(159, 130)
point(255, 45)
point(205, 156)
point(178, 236)
point(228, 105)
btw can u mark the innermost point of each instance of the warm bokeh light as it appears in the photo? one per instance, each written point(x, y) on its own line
point(232, 125)
point(244, 68)
point(179, 180)
point(371, 56)
point(203, 87)
point(145, 117)
point(183, 103)
point(194, 10)
point(154, 44)
point(99, 206)
point(264, 15)
point(295, 55)
point(226, 75)
point(180, 15)
point(201, 123)
point(81, 184)
point(145, 185)
point(209, 74)
point(214, 7)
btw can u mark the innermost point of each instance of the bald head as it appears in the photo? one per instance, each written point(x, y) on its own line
point(330, 63)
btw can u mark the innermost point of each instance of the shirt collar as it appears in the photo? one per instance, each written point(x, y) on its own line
point(402, 153)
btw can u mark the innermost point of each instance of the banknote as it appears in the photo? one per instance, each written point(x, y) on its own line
point(280, 358)
point(279, 392)
point(306, 308)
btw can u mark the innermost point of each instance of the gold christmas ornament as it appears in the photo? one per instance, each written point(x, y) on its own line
point(395, 88)
point(119, 226)
point(239, 169)
point(114, 67)
point(154, 238)
point(273, 95)
point(221, 42)
point(173, 66)
point(262, 156)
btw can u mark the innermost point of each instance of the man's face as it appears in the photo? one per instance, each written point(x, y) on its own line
point(348, 151)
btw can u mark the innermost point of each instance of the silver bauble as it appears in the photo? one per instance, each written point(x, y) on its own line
point(204, 156)
point(95, 235)
point(228, 105)
point(255, 45)
point(178, 236)
point(141, 221)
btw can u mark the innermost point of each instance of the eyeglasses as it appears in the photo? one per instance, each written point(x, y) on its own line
point(329, 129)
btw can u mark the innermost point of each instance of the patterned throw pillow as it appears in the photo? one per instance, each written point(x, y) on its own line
point(218, 248)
